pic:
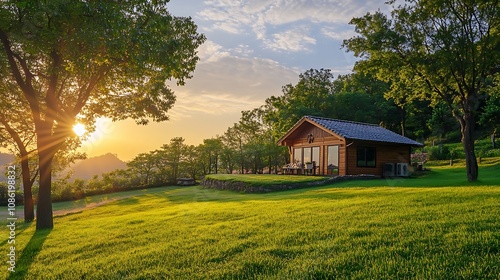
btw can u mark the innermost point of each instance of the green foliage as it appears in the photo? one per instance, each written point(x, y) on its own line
point(68, 60)
point(439, 152)
point(442, 122)
point(350, 230)
point(491, 114)
point(443, 51)
point(310, 96)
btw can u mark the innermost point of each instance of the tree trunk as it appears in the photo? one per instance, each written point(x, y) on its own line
point(29, 209)
point(493, 146)
point(403, 121)
point(467, 129)
point(46, 153)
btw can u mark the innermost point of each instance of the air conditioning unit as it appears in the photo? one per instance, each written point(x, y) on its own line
point(402, 169)
point(389, 170)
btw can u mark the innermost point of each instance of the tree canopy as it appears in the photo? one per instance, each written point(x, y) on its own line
point(75, 61)
point(444, 51)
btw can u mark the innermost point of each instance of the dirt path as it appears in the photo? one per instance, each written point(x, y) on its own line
point(92, 205)
point(62, 212)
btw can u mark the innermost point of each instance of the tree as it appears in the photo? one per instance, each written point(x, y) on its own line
point(16, 132)
point(174, 154)
point(79, 60)
point(441, 50)
point(310, 96)
point(191, 165)
point(210, 151)
point(491, 111)
point(142, 167)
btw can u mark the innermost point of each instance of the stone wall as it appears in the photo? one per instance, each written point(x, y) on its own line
point(239, 186)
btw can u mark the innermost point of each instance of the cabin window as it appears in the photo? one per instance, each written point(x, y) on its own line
point(315, 155)
point(307, 155)
point(333, 157)
point(366, 157)
point(297, 155)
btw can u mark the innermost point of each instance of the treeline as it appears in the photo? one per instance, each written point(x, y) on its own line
point(249, 146)
point(246, 147)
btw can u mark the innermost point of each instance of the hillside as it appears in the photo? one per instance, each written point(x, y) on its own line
point(87, 168)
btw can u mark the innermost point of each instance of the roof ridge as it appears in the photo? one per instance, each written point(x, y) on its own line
point(344, 121)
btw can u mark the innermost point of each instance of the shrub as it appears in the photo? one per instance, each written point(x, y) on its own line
point(439, 152)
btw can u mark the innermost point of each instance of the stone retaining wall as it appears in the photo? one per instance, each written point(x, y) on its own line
point(248, 188)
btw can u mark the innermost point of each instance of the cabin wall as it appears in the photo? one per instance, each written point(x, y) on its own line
point(308, 135)
point(322, 139)
point(323, 144)
point(385, 153)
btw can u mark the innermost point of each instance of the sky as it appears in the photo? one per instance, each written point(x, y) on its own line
point(253, 49)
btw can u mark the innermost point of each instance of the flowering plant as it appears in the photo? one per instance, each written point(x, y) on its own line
point(419, 158)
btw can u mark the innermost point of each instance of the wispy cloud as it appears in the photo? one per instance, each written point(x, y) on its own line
point(293, 40)
point(337, 33)
point(229, 83)
point(269, 20)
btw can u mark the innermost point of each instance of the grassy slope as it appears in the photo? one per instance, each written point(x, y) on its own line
point(348, 231)
point(266, 179)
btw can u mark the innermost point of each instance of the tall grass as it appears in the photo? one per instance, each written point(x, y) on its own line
point(340, 231)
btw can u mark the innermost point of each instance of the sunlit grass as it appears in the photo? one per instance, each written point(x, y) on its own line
point(379, 231)
point(266, 179)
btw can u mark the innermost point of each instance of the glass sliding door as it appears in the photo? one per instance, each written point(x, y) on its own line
point(307, 155)
point(315, 159)
point(333, 160)
point(297, 155)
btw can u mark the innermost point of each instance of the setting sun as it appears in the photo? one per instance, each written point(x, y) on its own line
point(79, 129)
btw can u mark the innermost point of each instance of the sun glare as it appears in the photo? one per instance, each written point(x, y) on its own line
point(79, 129)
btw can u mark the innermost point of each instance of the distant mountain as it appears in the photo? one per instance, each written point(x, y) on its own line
point(5, 160)
point(86, 169)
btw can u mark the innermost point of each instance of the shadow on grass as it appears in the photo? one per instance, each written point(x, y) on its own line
point(20, 228)
point(29, 254)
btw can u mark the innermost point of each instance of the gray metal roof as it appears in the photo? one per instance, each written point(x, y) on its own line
point(362, 131)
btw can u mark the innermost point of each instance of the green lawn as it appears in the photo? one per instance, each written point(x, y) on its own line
point(266, 179)
point(426, 228)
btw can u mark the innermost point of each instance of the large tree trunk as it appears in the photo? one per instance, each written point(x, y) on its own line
point(467, 129)
point(44, 204)
point(46, 152)
point(29, 208)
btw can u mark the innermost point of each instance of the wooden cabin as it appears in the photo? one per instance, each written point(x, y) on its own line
point(324, 146)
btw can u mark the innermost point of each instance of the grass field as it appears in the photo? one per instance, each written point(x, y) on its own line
point(434, 227)
point(266, 179)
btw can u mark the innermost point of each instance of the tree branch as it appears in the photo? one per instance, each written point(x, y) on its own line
point(25, 86)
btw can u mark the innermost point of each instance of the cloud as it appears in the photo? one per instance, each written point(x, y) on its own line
point(293, 40)
point(210, 52)
point(337, 33)
point(269, 20)
point(224, 84)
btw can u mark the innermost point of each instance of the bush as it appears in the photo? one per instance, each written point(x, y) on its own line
point(439, 152)
point(4, 196)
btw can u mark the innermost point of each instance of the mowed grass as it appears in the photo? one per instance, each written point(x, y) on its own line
point(340, 231)
point(266, 179)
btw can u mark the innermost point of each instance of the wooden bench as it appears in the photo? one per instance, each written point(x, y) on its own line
point(186, 182)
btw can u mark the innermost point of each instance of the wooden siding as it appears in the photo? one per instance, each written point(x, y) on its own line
point(322, 139)
point(385, 153)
